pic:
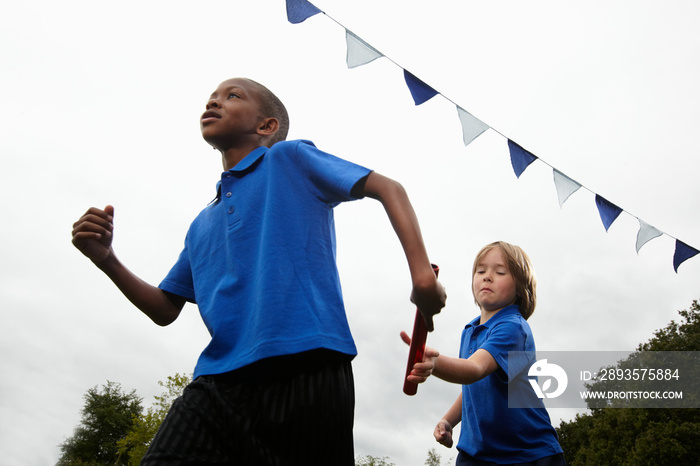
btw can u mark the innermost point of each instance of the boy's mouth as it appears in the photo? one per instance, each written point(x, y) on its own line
point(210, 115)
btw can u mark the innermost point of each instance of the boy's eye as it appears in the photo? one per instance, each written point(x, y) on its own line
point(233, 96)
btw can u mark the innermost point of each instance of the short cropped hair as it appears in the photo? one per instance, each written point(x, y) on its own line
point(520, 267)
point(272, 106)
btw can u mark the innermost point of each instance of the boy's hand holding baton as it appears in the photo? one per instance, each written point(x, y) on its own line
point(417, 344)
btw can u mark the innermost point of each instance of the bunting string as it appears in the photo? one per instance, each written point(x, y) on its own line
point(359, 53)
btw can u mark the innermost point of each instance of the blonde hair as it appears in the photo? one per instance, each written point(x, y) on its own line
point(520, 267)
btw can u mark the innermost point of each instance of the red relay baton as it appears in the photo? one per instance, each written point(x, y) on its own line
point(415, 353)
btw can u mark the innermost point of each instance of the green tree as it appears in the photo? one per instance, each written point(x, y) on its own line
point(433, 458)
point(135, 444)
point(641, 436)
point(683, 336)
point(107, 417)
point(373, 461)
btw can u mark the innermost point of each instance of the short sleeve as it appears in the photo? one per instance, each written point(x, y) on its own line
point(179, 280)
point(331, 177)
point(503, 338)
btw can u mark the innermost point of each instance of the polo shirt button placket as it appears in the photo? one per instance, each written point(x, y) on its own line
point(231, 209)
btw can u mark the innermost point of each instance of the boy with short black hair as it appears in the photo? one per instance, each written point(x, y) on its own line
point(274, 386)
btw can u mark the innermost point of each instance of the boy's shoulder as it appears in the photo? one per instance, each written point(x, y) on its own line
point(511, 318)
point(298, 151)
point(289, 151)
point(291, 145)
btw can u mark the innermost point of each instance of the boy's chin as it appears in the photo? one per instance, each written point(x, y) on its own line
point(212, 142)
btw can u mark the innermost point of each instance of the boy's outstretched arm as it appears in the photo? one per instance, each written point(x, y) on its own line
point(428, 294)
point(463, 371)
point(443, 429)
point(92, 235)
point(453, 370)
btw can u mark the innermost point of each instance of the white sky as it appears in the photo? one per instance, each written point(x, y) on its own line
point(101, 101)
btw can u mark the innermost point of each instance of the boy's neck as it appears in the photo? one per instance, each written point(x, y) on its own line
point(231, 156)
point(486, 315)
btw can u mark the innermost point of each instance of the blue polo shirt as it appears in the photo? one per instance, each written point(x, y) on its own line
point(260, 261)
point(491, 431)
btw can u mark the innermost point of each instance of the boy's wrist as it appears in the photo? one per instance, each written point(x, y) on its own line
point(108, 263)
point(424, 278)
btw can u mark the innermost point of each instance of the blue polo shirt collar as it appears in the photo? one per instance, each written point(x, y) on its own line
point(248, 162)
point(500, 315)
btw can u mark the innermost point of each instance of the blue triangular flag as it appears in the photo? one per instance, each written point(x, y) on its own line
point(683, 253)
point(607, 210)
point(299, 10)
point(420, 91)
point(519, 158)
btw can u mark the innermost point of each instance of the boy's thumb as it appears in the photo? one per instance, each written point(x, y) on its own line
point(109, 210)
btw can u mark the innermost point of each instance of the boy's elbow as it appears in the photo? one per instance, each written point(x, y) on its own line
point(164, 323)
point(166, 311)
point(164, 320)
point(380, 187)
point(397, 188)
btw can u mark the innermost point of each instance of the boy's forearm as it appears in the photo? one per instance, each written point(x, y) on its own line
point(404, 221)
point(454, 414)
point(464, 371)
point(160, 307)
point(453, 370)
point(428, 294)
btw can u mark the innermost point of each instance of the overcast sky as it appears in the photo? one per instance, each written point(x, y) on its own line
point(101, 101)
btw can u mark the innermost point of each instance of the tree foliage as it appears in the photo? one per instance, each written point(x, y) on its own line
point(434, 458)
point(135, 444)
point(107, 416)
point(114, 429)
point(370, 460)
point(373, 461)
point(683, 336)
point(640, 436)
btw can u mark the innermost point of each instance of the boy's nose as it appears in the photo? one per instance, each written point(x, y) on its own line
point(213, 103)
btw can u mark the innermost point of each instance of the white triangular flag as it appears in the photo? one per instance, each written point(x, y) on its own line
point(565, 186)
point(645, 234)
point(472, 127)
point(359, 51)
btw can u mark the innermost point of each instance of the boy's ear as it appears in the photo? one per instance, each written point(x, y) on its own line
point(269, 126)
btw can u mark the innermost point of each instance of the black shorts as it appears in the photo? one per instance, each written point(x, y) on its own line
point(287, 410)
point(556, 460)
